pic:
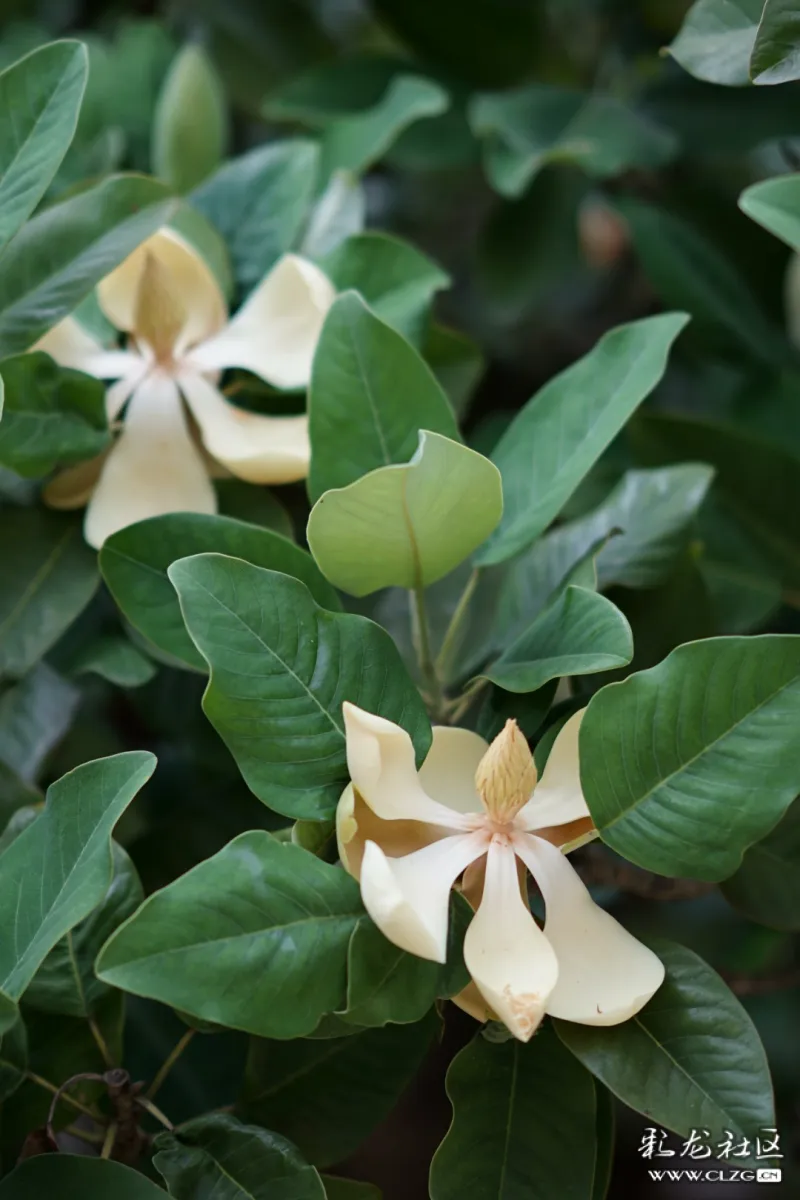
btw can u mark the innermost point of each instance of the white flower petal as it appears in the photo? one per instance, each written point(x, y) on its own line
point(558, 797)
point(153, 468)
point(604, 974)
point(72, 346)
point(408, 898)
point(275, 332)
point(380, 759)
point(254, 447)
point(507, 955)
point(448, 773)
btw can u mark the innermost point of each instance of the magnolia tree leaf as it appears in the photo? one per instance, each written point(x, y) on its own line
point(716, 40)
point(134, 564)
point(766, 888)
point(115, 659)
point(349, 1189)
point(40, 98)
point(76, 1177)
point(775, 204)
point(687, 764)
point(57, 258)
point(269, 956)
point(59, 868)
point(580, 633)
point(49, 575)
point(326, 1095)
point(281, 668)
point(339, 213)
point(407, 526)
point(341, 87)
point(190, 122)
point(742, 582)
point(51, 416)
point(370, 396)
point(217, 1155)
point(34, 716)
point(13, 1050)
point(776, 53)
point(691, 1059)
point(519, 1112)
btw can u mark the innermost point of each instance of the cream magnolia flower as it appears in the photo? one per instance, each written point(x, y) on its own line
point(168, 302)
point(477, 811)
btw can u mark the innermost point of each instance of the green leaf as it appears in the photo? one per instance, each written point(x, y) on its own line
point(370, 396)
point(354, 143)
point(49, 575)
point(51, 416)
point(339, 213)
point(115, 659)
point(776, 53)
point(259, 203)
point(57, 258)
point(333, 89)
point(255, 505)
point(59, 868)
point(775, 204)
point(134, 564)
point(456, 361)
point(687, 764)
point(580, 633)
point(716, 40)
point(606, 1138)
point(190, 122)
point(519, 1112)
point(269, 956)
point(76, 1177)
point(742, 582)
point(407, 526)
point(34, 716)
point(326, 1095)
point(559, 435)
point(40, 98)
point(13, 1049)
point(217, 1155)
point(281, 667)
point(766, 888)
point(691, 1059)
point(349, 1189)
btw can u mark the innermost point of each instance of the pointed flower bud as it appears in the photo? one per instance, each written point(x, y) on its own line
point(506, 774)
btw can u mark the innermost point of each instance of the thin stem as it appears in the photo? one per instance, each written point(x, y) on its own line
point(109, 1139)
point(102, 1044)
point(466, 700)
point(86, 1135)
point(169, 1062)
point(154, 1111)
point(450, 642)
point(76, 1104)
point(422, 641)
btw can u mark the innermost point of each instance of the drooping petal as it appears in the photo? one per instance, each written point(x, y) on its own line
point(448, 773)
point(408, 898)
point(73, 346)
point(254, 447)
point(205, 311)
point(604, 974)
point(276, 330)
point(357, 824)
point(558, 797)
point(380, 759)
point(470, 1001)
point(507, 955)
point(153, 468)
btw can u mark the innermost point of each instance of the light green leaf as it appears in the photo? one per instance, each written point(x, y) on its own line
point(57, 258)
point(519, 1114)
point(370, 396)
point(339, 213)
point(281, 668)
point(34, 716)
point(580, 633)
point(766, 888)
point(134, 564)
point(190, 122)
point(115, 659)
point(716, 40)
point(354, 143)
point(559, 435)
point(776, 53)
point(268, 956)
point(217, 1155)
point(50, 416)
point(687, 764)
point(775, 204)
point(77, 1177)
point(59, 868)
point(49, 575)
point(40, 98)
point(407, 526)
point(13, 1048)
point(691, 1059)
point(337, 88)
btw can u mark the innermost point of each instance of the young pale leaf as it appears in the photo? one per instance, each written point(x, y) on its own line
point(563, 430)
point(190, 123)
point(687, 764)
point(339, 213)
point(775, 204)
point(59, 868)
point(13, 1049)
point(281, 668)
point(407, 526)
point(716, 40)
point(691, 1059)
point(77, 1177)
point(134, 564)
point(776, 53)
point(766, 888)
point(269, 956)
point(519, 1111)
point(217, 1155)
point(40, 98)
point(371, 394)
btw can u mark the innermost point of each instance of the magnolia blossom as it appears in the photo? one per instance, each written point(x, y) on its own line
point(475, 812)
point(166, 299)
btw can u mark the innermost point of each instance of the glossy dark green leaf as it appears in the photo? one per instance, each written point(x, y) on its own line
point(606, 1137)
point(687, 764)
point(190, 121)
point(354, 143)
point(743, 582)
point(520, 1113)
point(776, 53)
point(766, 888)
point(34, 715)
point(281, 668)
point(134, 564)
point(217, 1155)
point(326, 1095)
point(716, 40)
point(371, 394)
point(691, 1059)
point(13, 1053)
point(49, 575)
point(77, 1177)
point(775, 204)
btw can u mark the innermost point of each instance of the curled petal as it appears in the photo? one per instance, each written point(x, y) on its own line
point(357, 824)
point(448, 773)
point(558, 797)
point(604, 974)
point(275, 332)
point(73, 346)
point(408, 898)
point(254, 447)
point(509, 958)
